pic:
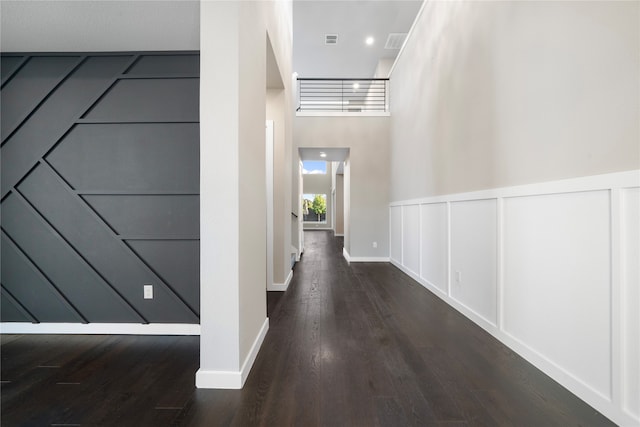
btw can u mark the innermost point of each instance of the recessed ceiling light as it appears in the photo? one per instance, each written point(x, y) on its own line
point(323, 154)
point(356, 85)
point(369, 41)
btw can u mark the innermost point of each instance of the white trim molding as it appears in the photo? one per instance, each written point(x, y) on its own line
point(280, 287)
point(351, 259)
point(233, 379)
point(627, 179)
point(544, 268)
point(100, 328)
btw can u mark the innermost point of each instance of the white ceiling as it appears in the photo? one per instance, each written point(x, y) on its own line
point(148, 25)
point(353, 21)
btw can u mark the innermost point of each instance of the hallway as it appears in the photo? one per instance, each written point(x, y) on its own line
point(364, 345)
point(359, 345)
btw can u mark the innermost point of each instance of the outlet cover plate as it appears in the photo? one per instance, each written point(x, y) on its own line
point(148, 291)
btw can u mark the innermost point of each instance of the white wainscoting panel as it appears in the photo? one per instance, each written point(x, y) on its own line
point(435, 245)
point(557, 281)
point(474, 256)
point(395, 241)
point(550, 269)
point(631, 301)
point(411, 238)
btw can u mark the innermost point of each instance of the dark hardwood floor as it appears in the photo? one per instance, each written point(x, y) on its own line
point(359, 345)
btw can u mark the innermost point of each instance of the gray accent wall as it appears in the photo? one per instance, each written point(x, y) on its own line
point(100, 187)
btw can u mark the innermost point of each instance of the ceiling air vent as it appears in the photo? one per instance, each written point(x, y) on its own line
point(330, 39)
point(395, 40)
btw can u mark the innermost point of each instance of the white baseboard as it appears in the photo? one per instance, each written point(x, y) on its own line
point(351, 259)
point(219, 379)
point(100, 328)
point(233, 379)
point(369, 259)
point(346, 256)
point(281, 286)
point(338, 235)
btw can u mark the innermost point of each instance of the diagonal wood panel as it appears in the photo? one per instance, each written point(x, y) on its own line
point(131, 157)
point(22, 94)
point(10, 65)
point(56, 115)
point(89, 235)
point(11, 309)
point(88, 291)
point(40, 297)
point(176, 262)
point(75, 128)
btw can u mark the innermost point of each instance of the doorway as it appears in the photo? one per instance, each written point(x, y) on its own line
point(322, 193)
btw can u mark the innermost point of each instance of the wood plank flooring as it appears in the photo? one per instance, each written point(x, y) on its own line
point(359, 345)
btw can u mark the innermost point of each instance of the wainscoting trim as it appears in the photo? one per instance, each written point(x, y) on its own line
point(626, 179)
point(603, 388)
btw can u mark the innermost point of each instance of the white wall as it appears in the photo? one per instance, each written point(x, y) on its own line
point(367, 191)
point(233, 112)
point(492, 95)
point(99, 26)
point(219, 279)
point(384, 67)
point(277, 111)
point(347, 204)
point(339, 208)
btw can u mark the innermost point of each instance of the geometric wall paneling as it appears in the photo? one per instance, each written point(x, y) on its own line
point(176, 262)
point(130, 158)
point(434, 241)
point(26, 284)
point(90, 236)
point(550, 269)
point(474, 256)
point(11, 310)
point(55, 116)
point(630, 231)
point(411, 238)
point(132, 216)
point(9, 65)
point(148, 100)
point(395, 239)
point(166, 65)
point(89, 293)
point(98, 152)
point(36, 79)
point(557, 280)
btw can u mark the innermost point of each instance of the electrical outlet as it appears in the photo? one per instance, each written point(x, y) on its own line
point(148, 291)
point(458, 276)
point(375, 245)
